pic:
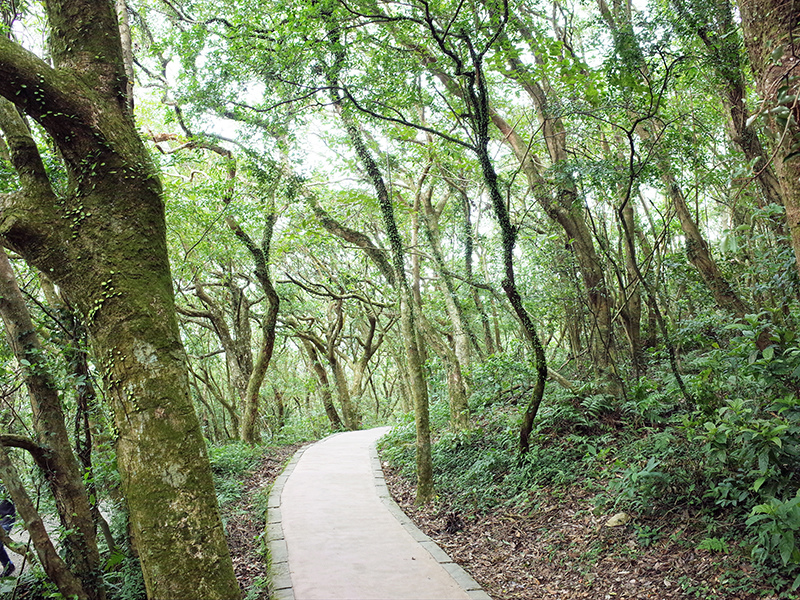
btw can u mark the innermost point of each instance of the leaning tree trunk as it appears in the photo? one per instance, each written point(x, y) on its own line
point(475, 93)
point(324, 385)
point(260, 255)
point(68, 585)
point(62, 472)
point(771, 29)
point(103, 242)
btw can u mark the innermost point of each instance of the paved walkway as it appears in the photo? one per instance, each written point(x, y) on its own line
point(335, 533)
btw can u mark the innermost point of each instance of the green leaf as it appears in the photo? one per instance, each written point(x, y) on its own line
point(786, 547)
point(768, 352)
point(777, 53)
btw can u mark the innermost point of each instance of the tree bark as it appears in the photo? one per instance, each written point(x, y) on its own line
point(324, 385)
point(104, 244)
point(771, 29)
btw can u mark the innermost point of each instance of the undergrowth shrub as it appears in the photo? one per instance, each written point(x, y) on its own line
point(752, 449)
point(229, 464)
point(777, 526)
point(729, 457)
point(654, 472)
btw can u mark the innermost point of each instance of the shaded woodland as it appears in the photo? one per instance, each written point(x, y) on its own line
point(555, 243)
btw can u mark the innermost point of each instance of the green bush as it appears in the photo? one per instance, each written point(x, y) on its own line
point(776, 525)
point(234, 459)
point(229, 464)
point(757, 446)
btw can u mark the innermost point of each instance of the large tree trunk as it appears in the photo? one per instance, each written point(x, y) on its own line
point(419, 395)
point(104, 245)
point(771, 29)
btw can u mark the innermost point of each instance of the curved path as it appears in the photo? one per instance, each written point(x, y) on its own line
point(335, 532)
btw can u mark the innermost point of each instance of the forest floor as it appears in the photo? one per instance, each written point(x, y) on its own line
point(560, 549)
point(245, 523)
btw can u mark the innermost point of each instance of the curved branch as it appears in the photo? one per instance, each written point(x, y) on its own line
point(58, 101)
point(23, 151)
point(363, 241)
point(40, 454)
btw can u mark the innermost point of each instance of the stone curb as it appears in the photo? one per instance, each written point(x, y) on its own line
point(461, 577)
point(281, 580)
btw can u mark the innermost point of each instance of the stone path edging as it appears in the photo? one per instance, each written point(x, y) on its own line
point(280, 578)
point(462, 578)
point(279, 557)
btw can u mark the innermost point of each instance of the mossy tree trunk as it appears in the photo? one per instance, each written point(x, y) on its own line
point(103, 243)
point(408, 326)
point(771, 29)
point(467, 60)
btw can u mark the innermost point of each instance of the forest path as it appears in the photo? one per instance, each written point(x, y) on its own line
point(335, 533)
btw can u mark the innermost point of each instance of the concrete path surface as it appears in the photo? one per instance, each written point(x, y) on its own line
point(335, 532)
